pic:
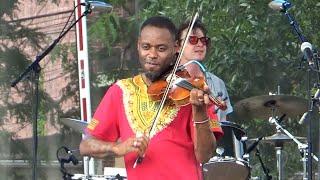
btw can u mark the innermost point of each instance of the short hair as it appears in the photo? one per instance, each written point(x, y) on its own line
point(185, 25)
point(160, 22)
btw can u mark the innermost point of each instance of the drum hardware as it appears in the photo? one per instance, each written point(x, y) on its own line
point(220, 151)
point(245, 156)
point(279, 145)
point(279, 162)
point(229, 163)
point(266, 170)
point(75, 124)
point(278, 105)
point(79, 126)
point(98, 177)
point(254, 145)
point(312, 60)
point(279, 138)
point(62, 160)
point(116, 172)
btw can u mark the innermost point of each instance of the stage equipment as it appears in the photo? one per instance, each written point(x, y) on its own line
point(34, 71)
point(313, 66)
point(278, 138)
point(303, 148)
point(266, 170)
point(110, 173)
point(263, 106)
point(97, 177)
point(230, 162)
point(75, 124)
point(279, 107)
point(62, 160)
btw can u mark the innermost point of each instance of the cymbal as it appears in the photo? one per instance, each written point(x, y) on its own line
point(278, 138)
point(75, 124)
point(263, 106)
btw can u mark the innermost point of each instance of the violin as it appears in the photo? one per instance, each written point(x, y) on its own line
point(183, 82)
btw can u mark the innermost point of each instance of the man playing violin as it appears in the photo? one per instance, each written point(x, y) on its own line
point(183, 136)
point(196, 49)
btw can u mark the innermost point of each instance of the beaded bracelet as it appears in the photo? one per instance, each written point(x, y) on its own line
point(201, 122)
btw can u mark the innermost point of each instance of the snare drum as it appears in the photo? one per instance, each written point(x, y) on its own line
point(228, 164)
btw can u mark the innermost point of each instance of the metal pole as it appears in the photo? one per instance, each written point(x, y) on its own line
point(279, 163)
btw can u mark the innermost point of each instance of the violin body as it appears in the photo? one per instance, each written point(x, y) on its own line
point(179, 92)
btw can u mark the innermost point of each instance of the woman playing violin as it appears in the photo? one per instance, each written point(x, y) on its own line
point(183, 136)
point(196, 48)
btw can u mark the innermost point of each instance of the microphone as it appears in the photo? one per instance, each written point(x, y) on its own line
point(279, 5)
point(96, 4)
point(253, 145)
point(306, 48)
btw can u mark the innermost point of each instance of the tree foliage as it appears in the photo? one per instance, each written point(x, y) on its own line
point(254, 50)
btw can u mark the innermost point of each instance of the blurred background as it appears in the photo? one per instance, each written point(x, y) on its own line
point(254, 50)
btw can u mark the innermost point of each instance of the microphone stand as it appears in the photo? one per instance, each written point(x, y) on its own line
point(303, 39)
point(65, 174)
point(34, 68)
point(264, 168)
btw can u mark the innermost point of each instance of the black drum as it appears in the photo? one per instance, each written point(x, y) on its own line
point(228, 164)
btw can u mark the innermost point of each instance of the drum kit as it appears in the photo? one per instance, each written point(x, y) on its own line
point(232, 153)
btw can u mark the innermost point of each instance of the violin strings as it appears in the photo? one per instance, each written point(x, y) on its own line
point(187, 85)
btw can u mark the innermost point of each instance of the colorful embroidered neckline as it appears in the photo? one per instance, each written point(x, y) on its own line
point(140, 109)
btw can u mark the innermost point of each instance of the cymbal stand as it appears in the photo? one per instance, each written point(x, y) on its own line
point(302, 147)
point(278, 146)
point(304, 161)
point(279, 162)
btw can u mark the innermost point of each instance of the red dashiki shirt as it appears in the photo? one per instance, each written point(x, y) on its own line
point(126, 110)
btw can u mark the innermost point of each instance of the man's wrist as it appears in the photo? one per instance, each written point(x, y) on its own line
point(204, 121)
